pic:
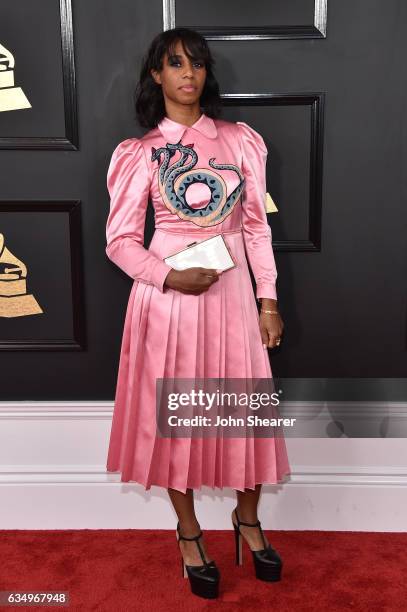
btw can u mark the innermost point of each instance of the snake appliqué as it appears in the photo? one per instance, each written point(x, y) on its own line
point(174, 180)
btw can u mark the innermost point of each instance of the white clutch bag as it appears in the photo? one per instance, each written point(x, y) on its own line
point(212, 252)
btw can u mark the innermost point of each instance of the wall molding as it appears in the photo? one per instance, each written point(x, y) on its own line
point(315, 100)
point(338, 475)
point(312, 416)
point(316, 29)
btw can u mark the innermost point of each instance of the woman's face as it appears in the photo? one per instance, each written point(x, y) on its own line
point(182, 80)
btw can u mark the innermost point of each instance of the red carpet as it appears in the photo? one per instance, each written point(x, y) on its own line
point(125, 570)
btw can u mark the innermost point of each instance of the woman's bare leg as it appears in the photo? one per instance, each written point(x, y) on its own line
point(247, 503)
point(184, 507)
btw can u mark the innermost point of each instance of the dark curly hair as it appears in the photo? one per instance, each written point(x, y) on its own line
point(148, 96)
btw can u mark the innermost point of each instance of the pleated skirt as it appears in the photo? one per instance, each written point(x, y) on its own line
point(175, 335)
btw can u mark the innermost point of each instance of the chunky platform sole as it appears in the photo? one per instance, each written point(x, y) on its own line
point(267, 562)
point(203, 579)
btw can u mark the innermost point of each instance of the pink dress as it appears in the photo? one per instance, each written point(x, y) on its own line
point(210, 183)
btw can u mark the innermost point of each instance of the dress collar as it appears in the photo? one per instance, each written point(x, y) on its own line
point(174, 131)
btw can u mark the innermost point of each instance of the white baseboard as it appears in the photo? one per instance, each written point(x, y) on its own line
point(52, 476)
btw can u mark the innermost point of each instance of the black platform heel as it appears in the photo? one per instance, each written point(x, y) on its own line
point(267, 562)
point(204, 579)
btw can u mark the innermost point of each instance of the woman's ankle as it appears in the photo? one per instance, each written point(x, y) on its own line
point(247, 516)
point(189, 528)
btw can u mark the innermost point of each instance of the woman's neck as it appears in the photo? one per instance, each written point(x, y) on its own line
point(186, 115)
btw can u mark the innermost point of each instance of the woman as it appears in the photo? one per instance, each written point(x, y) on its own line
point(195, 322)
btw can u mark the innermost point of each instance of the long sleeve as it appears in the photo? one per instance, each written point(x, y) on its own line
point(128, 183)
point(256, 230)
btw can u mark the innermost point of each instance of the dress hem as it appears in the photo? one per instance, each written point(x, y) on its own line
point(279, 481)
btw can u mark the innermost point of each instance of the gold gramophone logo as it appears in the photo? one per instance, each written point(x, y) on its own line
point(14, 299)
point(11, 97)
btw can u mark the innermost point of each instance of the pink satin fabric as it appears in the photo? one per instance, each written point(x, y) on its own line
point(171, 334)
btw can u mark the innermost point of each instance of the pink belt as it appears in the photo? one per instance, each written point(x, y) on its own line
point(201, 232)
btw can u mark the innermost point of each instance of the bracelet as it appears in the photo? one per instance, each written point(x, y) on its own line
point(269, 311)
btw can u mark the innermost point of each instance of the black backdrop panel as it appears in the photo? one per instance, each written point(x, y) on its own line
point(344, 306)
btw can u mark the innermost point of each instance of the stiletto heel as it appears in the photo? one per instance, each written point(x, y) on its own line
point(183, 569)
point(204, 579)
point(238, 545)
point(267, 562)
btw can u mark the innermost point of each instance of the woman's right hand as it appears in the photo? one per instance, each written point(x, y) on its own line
point(192, 280)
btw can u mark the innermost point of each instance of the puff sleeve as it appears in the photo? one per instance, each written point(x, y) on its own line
point(256, 230)
point(128, 183)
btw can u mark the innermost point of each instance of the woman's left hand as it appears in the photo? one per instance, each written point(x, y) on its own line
point(271, 329)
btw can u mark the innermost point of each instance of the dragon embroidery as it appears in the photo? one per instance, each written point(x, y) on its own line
point(174, 180)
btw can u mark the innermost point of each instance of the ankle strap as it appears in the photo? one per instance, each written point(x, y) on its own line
point(256, 524)
point(196, 539)
point(181, 537)
point(239, 522)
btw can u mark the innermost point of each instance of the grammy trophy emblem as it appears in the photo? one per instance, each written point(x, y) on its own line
point(11, 97)
point(14, 299)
